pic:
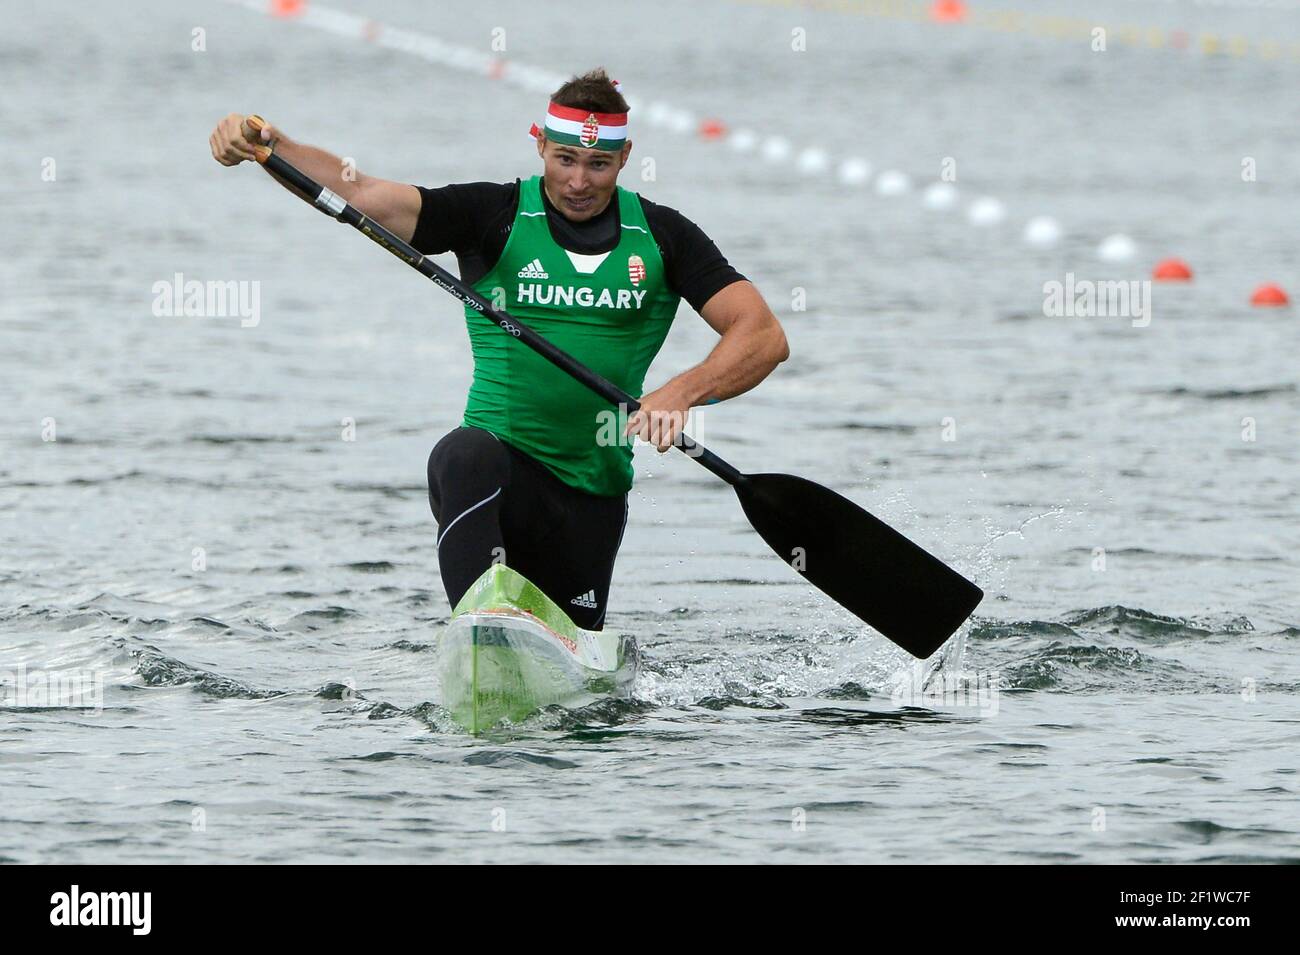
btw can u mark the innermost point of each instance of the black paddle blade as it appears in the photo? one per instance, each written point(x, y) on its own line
point(910, 596)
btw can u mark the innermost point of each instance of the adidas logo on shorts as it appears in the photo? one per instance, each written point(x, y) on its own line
point(534, 270)
point(587, 600)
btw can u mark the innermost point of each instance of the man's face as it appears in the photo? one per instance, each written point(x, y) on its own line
point(580, 181)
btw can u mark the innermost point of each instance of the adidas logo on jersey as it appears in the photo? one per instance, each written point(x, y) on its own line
point(587, 600)
point(534, 270)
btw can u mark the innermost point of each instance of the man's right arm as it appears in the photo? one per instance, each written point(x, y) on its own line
point(394, 205)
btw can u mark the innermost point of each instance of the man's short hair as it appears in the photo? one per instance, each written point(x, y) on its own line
point(592, 91)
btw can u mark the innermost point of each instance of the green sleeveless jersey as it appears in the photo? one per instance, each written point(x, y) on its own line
point(610, 311)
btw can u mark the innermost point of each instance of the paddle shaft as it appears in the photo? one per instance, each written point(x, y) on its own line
point(335, 206)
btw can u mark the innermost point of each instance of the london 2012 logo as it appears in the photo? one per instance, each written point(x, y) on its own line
point(590, 131)
point(635, 269)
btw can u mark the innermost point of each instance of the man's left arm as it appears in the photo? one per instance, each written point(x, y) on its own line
point(752, 345)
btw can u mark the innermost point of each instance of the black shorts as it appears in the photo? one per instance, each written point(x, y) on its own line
point(494, 503)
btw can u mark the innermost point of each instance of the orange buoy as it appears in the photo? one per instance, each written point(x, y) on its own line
point(1172, 270)
point(948, 11)
point(712, 129)
point(1269, 294)
point(287, 8)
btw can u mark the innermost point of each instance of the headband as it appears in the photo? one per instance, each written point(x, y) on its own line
point(580, 127)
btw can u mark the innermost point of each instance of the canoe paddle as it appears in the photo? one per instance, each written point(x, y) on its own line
point(906, 593)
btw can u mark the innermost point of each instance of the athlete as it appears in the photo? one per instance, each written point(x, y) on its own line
point(538, 473)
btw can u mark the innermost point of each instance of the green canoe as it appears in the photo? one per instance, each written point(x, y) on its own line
point(509, 651)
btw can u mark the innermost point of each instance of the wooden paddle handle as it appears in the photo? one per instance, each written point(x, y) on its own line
point(254, 125)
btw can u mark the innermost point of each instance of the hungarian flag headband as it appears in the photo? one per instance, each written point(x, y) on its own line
point(580, 127)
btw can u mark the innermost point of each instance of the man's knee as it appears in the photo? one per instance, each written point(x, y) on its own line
point(465, 453)
point(463, 463)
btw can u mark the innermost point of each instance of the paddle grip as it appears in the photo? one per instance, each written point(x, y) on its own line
point(255, 124)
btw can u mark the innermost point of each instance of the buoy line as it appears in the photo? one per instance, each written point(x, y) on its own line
point(1040, 232)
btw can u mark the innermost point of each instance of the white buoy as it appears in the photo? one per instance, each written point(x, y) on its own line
point(658, 113)
point(680, 121)
point(540, 82)
point(776, 149)
point(986, 211)
point(1042, 232)
point(743, 140)
point(1116, 248)
point(939, 196)
point(891, 182)
point(813, 160)
point(855, 171)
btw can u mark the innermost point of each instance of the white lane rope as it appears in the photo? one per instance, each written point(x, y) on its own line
point(981, 212)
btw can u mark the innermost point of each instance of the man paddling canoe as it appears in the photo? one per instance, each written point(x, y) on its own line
point(535, 474)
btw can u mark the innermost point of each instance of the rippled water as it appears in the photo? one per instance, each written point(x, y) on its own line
point(1133, 703)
